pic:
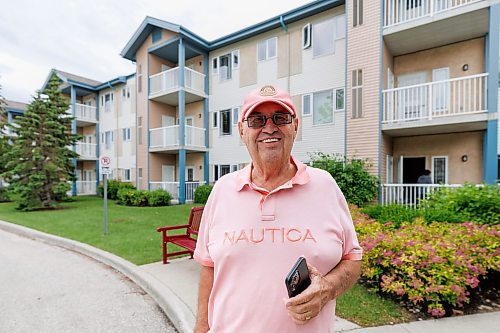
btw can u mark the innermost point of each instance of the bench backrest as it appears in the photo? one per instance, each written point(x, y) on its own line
point(195, 220)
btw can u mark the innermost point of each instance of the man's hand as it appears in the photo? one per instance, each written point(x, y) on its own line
point(311, 301)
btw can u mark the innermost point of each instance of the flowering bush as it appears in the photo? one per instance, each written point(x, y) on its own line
point(436, 265)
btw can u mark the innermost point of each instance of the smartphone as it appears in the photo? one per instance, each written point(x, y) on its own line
point(298, 279)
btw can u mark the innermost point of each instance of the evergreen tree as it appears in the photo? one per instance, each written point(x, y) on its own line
point(39, 164)
point(3, 140)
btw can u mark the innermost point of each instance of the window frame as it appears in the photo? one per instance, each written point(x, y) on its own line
point(235, 115)
point(229, 122)
point(446, 172)
point(333, 108)
point(356, 93)
point(306, 36)
point(310, 95)
point(267, 43)
point(215, 119)
point(235, 58)
point(336, 109)
point(331, 50)
point(125, 171)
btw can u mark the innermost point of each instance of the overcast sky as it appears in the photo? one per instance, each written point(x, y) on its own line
point(85, 37)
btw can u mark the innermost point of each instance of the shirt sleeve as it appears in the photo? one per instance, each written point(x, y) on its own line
point(351, 249)
point(201, 252)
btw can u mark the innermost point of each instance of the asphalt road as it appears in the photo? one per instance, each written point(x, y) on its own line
point(44, 288)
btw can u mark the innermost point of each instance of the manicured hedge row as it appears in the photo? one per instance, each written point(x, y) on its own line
point(437, 265)
point(143, 198)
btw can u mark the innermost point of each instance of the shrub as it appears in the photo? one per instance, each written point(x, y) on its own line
point(201, 194)
point(159, 198)
point(479, 204)
point(4, 196)
point(113, 187)
point(356, 183)
point(436, 265)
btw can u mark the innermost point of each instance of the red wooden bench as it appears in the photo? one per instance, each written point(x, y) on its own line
point(186, 240)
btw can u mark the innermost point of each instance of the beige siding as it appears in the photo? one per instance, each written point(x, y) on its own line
point(196, 160)
point(157, 160)
point(364, 49)
point(290, 53)
point(195, 110)
point(386, 150)
point(454, 146)
point(248, 69)
point(454, 56)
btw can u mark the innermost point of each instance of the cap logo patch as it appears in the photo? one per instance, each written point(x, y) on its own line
point(267, 91)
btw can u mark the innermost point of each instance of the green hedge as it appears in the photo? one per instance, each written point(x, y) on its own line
point(143, 198)
point(4, 196)
point(480, 204)
point(202, 193)
point(357, 184)
point(437, 265)
point(113, 187)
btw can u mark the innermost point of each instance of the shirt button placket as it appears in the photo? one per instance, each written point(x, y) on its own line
point(268, 208)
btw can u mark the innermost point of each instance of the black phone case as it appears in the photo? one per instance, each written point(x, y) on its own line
point(298, 279)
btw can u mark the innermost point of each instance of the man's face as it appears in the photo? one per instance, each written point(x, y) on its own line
point(270, 143)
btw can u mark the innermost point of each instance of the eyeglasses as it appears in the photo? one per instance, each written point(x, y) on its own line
point(259, 121)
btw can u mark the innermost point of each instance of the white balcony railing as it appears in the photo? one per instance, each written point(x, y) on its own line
point(409, 195)
point(168, 81)
point(86, 150)
point(465, 95)
point(168, 137)
point(85, 112)
point(173, 188)
point(86, 187)
point(402, 11)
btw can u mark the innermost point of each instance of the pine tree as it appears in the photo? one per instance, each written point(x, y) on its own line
point(3, 140)
point(39, 164)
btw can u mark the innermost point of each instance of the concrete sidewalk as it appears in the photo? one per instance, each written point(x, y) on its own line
point(174, 287)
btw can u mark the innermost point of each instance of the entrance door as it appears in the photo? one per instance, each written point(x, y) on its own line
point(411, 101)
point(167, 173)
point(189, 173)
point(413, 167)
point(440, 91)
point(87, 147)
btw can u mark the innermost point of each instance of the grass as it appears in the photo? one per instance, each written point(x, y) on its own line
point(131, 234)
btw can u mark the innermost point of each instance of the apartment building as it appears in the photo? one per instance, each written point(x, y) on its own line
point(189, 92)
point(423, 90)
point(104, 115)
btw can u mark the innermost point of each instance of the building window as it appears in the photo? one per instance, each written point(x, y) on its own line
point(234, 167)
point(306, 36)
point(225, 122)
point(225, 70)
point(323, 41)
point(340, 26)
point(126, 175)
point(236, 59)
point(126, 93)
point(216, 172)
point(267, 49)
point(214, 119)
point(139, 130)
point(357, 13)
point(236, 115)
point(139, 173)
point(215, 62)
point(323, 107)
point(440, 169)
point(357, 93)
point(108, 139)
point(139, 78)
point(156, 35)
point(339, 99)
point(107, 102)
point(306, 105)
point(126, 134)
point(224, 170)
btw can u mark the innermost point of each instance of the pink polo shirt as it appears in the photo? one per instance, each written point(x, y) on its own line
point(252, 239)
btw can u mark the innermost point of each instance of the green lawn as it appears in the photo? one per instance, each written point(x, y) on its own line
point(132, 235)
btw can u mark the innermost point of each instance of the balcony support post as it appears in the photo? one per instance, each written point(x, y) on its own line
point(182, 124)
point(206, 168)
point(73, 131)
point(97, 141)
point(490, 142)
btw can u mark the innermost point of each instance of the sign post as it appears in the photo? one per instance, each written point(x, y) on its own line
point(105, 171)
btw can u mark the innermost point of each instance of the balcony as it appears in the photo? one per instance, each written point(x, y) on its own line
point(167, 139)
point(86, 187)
point(412, 25)
point(446, 106)
point(85, 115)
point(173, 189)
point(164, 87)
point(87, 151)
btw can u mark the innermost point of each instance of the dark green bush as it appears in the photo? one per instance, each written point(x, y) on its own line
point(4, 196)
point(480, 204)
point(143, 198)
point(113, 187)
point(357, 184)
point(159, 198)
point(201, 194)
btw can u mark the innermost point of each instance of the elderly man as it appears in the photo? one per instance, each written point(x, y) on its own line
point(259, 220)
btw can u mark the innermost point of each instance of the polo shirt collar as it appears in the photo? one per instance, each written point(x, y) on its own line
point(301, 177)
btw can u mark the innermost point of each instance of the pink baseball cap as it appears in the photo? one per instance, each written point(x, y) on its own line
point(266, 94)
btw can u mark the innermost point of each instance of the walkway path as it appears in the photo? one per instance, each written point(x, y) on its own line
point(44, 288)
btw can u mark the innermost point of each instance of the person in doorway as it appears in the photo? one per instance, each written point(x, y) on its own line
point(259, 220)
point(425, 178)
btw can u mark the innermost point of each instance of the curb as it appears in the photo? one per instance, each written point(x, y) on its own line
point(176, 310)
